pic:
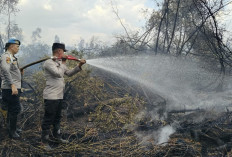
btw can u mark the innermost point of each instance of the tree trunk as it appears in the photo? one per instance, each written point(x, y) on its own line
point(174, 27)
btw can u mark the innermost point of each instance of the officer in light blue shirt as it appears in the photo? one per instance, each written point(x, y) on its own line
point(54, 71)
point(11, 84)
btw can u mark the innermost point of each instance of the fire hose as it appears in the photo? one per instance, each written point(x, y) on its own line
point(69, 57)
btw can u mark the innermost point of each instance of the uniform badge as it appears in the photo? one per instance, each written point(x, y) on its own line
point(8, 60)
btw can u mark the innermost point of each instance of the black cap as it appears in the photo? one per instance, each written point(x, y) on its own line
point(58, 46)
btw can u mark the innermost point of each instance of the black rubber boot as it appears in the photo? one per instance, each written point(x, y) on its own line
point(18, 130)
point(14, 135)
point(45, 140)
point(45, 136)
point(12, 126)
point(57, 135)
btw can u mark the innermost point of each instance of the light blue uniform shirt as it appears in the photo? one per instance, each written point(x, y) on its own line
point(10, 73)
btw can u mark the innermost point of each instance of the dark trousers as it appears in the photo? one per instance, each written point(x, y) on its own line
point(11, 103)
point(52, 115)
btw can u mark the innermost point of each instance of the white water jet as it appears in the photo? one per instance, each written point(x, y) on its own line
point(180, 81)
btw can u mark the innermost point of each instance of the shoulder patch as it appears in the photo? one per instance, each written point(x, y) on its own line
point(8, 60)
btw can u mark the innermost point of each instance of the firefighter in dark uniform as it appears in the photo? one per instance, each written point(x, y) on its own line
point(54, 70)
point(11, 84)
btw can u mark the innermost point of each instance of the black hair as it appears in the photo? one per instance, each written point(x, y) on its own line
point(7, 46)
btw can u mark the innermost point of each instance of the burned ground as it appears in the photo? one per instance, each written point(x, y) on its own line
point(109, 117)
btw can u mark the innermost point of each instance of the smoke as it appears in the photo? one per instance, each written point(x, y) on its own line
point(183, 83)
point(164, 134)
point(160, 136)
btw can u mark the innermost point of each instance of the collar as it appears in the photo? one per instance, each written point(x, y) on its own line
point(12, 57)
point(9, 53)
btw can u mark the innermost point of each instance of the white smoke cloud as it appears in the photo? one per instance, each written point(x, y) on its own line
point(164, 134)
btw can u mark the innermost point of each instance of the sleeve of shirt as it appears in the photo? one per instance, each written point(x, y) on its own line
point(72, 71)
point(5, 69)
point(55, 70)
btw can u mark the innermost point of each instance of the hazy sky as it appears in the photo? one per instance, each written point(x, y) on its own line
point(72, 20)
point(75, 19)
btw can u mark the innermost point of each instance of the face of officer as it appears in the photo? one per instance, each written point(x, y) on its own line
point(14, 48)
point(58, 52)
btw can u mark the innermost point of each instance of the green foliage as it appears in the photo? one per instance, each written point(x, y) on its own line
point(77, 53)
point(11, 4)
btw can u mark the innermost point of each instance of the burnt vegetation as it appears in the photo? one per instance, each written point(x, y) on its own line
point(105, 115)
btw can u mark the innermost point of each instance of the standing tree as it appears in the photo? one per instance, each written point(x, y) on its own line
point(36, 34)
point(7, 8)
point(187, 28)
point(57, 39)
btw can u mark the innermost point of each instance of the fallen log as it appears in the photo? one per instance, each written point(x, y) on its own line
point(186, 110)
